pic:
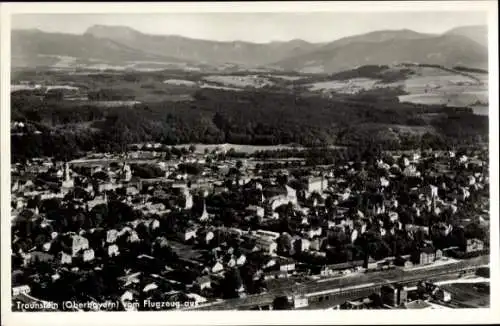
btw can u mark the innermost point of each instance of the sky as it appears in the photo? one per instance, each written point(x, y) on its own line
point(256, 27)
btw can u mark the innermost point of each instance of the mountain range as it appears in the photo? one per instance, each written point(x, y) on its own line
point(124, 46)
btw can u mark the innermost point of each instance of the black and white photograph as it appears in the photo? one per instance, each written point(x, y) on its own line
point(253, 161)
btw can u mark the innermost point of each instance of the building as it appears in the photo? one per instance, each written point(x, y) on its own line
point(101, 200)
point(286, 265)
point(285, 242)
point(78, 243)
point(68, 182)
point(316, 184)
point(393, 296)
point(424, 256)
point(23, 289)
point(400, 261)
point(279, 200)
point(302, 245)
point(312, 232)
point(442, 295)
point(65, 258)
point(113, 250)
point(204, 282)
point(126, 173)
point(474, 245)
point(187, 234)
point(241, 260)
point(270, 234)
point(415, 228)
point(188, 199)
point(88, 255)
point(411, 171)
point(255, 210)
point(267, 244)
point(111, 236)
point(300, 301)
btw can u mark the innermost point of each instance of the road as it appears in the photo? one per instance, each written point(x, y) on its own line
point(343, 287)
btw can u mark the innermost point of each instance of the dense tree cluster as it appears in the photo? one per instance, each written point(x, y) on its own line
point(249, 117)
point(380, 72)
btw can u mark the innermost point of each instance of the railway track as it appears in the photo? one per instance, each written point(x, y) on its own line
point(343, 287)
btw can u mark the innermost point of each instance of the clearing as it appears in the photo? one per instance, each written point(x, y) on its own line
point(254, 81)
point(424, 85)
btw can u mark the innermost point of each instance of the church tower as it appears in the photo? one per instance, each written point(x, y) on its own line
point(68, 182)
point(204, 214)
point(66, 172)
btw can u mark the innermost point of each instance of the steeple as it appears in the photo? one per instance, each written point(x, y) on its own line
point(188, 199)
point(204, 214)
point(66, 171)
point(68, 182)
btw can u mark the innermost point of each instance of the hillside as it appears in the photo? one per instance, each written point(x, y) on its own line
point(391, 48)
point(377, 36)
point(205, 51)
point(34, 47)
point(477, 33)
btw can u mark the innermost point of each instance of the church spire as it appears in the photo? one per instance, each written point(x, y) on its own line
point(204, 214)
point(66, 171)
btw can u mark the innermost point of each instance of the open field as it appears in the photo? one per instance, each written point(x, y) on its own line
point(480, 109)
point(437, 86)
point(350, 86)
point(19, 87)
point(287, 78)
point(239, 81)
point(179, 82)
point(423, 85)
point(200, 148)
point(224, 88)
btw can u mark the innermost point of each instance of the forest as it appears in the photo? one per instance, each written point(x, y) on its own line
point(254, 117)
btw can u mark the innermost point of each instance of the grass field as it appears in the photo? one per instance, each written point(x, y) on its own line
point(200, 148)
point(179, 82)
point(285, 77)
point(224, 88)
point(426, 85)
point(239, 81)
point(350, 86)
point(437, 86)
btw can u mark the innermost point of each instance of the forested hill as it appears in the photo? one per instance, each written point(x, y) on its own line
point(62, 128)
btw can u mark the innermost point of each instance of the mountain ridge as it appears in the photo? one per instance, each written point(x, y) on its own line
point(206, 51)
point(446, 50)
point(118, 44)
point(477, 33)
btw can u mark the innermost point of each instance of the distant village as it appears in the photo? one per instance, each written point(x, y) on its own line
point(203, 226)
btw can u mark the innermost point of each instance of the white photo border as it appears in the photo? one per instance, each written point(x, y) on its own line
point(462, 316)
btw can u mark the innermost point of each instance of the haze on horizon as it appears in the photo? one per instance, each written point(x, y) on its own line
point(256, 27)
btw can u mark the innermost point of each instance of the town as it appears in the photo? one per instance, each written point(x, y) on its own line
point(158, 227)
